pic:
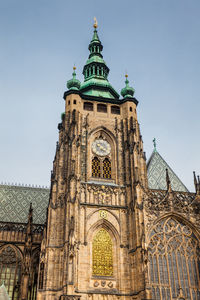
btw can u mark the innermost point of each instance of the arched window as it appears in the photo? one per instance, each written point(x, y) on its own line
point(102, 254)
point(96, 172)
point(173, 261)
point(106, 168)
point(10, 271)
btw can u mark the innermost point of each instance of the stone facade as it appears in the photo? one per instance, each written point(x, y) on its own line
point(107, 235)
point(81, 204)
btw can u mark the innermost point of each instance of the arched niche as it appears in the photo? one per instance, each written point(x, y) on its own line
point(173, 259)
point(103, 231)
point(102, 254)
point(102, 167)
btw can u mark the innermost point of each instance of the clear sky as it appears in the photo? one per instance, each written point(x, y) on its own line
point(156, 41)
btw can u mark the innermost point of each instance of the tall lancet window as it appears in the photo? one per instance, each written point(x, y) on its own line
point(96, 171)
point(174, 261)
point(10, 271)
point(102, 254)
point(106, 168)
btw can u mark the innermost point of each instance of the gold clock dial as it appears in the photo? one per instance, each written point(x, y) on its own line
point(101, 147)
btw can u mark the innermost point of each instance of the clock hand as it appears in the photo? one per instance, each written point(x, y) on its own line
point(102, 148)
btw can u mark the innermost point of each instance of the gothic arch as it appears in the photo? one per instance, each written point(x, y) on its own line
point(15, 248)
point(173, 252)
point(104, 224)
point(103, 129)
point(179, 218)
point(100, 209)
point(104, 171)
point(10, 269)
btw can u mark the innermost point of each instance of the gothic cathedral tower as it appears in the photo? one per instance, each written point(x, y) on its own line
point(93, 246)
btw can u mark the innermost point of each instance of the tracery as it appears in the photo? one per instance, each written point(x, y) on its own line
point(10, 271)
point(173, 261)
point(102, 254)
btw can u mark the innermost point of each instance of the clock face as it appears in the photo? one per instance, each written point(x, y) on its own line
point(101, 147)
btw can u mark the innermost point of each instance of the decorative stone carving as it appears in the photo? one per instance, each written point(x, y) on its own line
point(103, 283)
point(158, 202)
point(101, 194)
point(96, 284)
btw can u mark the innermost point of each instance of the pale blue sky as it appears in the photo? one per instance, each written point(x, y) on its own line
point(156, 41)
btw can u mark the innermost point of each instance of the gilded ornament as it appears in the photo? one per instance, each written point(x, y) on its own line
point(102, 254)
point(103, 214)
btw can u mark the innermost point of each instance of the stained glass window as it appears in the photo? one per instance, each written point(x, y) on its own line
point(173, 261)
point(10, 271)
point(106, 168)
point(102, 254)
point(96, 172)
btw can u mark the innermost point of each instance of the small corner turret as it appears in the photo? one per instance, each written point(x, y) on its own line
point(128, 91)
point(73, 84)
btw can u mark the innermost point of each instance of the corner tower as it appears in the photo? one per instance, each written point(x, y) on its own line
point(93, 246)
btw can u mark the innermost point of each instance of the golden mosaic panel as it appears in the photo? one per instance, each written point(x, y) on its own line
point(102, 254)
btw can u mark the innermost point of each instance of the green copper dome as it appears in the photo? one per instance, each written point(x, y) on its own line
point(128, 91)
point(73, 84)
point(96, 72)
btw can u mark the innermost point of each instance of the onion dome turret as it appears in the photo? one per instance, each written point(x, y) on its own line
point(73, 84)
point(127, 91)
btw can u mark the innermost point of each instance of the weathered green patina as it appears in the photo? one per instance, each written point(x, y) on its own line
point(73, 84)
point(96, 86)
point(96, 72)
point(128, 91)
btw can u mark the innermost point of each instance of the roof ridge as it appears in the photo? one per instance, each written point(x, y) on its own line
point(24, 185)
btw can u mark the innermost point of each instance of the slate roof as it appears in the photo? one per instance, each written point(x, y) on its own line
point(156, 171)
point(15, 200)
point(15, 203)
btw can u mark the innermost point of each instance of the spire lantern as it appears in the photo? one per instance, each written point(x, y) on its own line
point(128, 91)
point(96, 72)
point(73, 84)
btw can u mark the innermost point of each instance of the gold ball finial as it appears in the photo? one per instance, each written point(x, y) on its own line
point(95, 23)
point(126, 75)
point(74, 68)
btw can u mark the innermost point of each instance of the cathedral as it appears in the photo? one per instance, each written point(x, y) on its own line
point(113, 226)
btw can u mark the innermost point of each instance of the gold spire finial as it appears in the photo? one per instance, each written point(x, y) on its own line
point(95, 23)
